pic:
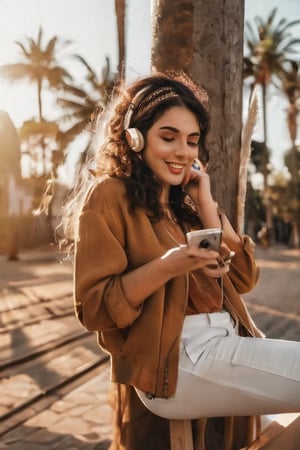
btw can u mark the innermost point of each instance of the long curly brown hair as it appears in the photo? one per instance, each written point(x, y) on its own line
point(115, 158)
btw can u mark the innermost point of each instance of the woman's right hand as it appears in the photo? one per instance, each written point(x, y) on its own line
point(141, 282)
point(183, 259)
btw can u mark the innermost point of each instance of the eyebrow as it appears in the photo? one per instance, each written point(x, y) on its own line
point(175, 130)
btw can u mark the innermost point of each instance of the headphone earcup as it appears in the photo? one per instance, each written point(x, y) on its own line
point(134, 139)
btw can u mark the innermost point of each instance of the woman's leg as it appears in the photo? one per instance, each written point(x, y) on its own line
point(235, 376)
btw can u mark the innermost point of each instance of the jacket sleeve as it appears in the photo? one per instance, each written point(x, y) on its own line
point(243, 271)
point(100, 261)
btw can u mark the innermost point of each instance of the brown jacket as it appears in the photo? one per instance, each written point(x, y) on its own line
point(144, 342)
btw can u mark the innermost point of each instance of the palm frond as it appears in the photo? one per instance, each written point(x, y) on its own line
point(70, 104)
point(16, 71)
point(86, 64)
point(290, 24)
point(40, 36)
point(65, 138)
point(74, 90)
point(51, 45)
point(271, 16)
point(23, 48)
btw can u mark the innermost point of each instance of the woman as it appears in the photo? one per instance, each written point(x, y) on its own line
point(170, 314)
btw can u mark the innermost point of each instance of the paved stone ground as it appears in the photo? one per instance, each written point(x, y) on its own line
point(82, 418)
point(75, 420)
point(275, 301)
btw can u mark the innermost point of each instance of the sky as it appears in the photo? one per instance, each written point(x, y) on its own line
point(91, 26)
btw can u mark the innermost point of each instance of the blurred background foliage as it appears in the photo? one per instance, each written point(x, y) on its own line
point(42, 145)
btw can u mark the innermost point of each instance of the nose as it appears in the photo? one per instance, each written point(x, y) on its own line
point(181, 149)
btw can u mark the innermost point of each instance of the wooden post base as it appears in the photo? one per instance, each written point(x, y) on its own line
point(181, 435)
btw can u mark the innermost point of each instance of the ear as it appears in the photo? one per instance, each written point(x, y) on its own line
point(134, 139)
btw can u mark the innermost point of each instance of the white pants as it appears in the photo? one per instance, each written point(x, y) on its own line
point(223, 374)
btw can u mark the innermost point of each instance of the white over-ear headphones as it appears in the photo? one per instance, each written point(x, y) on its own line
point(133, 136)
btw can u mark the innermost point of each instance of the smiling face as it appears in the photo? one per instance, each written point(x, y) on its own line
point(172, 145)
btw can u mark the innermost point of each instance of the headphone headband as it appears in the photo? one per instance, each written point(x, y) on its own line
point(134, 104)
point(147, 99)
point(143, 103)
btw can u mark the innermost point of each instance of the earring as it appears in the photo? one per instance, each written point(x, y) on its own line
point(134, 139)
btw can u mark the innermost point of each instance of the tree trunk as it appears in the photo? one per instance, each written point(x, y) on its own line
point(210, 49)
point(39, 95)
point(120, 14)
point(172, 46)
point(292, 125)
point(267, 200)
point(218, 64)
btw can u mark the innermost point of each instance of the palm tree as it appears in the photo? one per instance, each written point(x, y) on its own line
point(82, 104)
point(120, 6)
point(270, 46)
point(291, 88)
point(39, 65)
point(34, 135)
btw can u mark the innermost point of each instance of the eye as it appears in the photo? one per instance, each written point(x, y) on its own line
point(193, 140)
point(193, 143)
point(167, 139)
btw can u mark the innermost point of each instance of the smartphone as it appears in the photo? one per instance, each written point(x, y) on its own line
point(209, 238)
